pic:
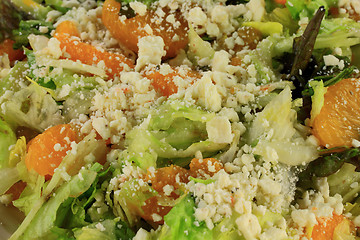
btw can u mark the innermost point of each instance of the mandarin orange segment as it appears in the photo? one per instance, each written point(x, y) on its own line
point(172, 175)
point(208, 166)
point(325, 227)
point(129, 31)
point(88, 54)
point(47, 150)
point(152, 207)
point(67, 27)
point(165, 178)
point(6, 47)
point(338, 122)
point(164, 84)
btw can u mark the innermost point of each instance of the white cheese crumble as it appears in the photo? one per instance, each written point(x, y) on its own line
point(151, 50)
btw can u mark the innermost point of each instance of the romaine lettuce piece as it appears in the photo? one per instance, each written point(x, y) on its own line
point(106, 230)
point(32, 107)
point(317, 99)
point(198, 48)
point(15, 79)
point(338, 32)
point(30, 27)
point(301, 8)
point(277, 116)
point(275, 136)
point(45, 218)
point(341, 182)
point(165, 136)
point(33, 8)
point(180, 223)
point(30, 195)
point(130, 198)
point(7, 139)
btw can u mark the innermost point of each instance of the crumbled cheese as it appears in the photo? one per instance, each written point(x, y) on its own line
point(220, 61)
point(151, 50)
point(219, 130)
point(197, 16)
point(331, 60)
point(138, 8)
point(257, 10)
point(249, 226)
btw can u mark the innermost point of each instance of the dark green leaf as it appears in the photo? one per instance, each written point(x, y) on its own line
point(30, 27)
point(304, 45)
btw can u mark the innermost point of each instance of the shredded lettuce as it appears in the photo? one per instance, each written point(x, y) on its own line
point(198, 48)
point(273, 129)
point(317, 99)
point(167, 133)
point(130, 198)
point(180, 222)
point(46, 217)
point(340, 182)
point(32, 107)
point(7, 139)
point(107, 230)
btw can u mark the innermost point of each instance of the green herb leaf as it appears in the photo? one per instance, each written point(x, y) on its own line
point(303, 46)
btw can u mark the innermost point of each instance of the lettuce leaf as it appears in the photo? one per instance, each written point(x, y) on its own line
point(7, 139)
point(273, 130)
point(46, 218)
point(107, 230)
point(130, 198)
point(32, 107)
point(166, 136)
point(181, 223)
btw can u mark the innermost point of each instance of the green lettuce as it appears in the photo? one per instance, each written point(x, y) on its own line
point(273, 129)
point(15, 79)
point(30, 27)
point(341, 182)
point(107, 230)
point(307, 8)
point(7, 139)
point(32, 107)
point(8, 176)
point(180, 223)
point(46, 218)
point(130, 198)
point(166, 136)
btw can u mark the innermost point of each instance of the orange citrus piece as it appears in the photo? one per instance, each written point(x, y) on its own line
point(164, 84)
point(338, 122)
point(6, 47)
point(67, 34)
point(129, 31)
point(325, 227)
point(173, 176)
point(46, 150)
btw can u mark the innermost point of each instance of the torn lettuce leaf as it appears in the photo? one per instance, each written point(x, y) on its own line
point(106, 230)
point(7, 139)
point(166, 136)
point(46, 218)
point(180, 223)
point(274, 134)
point(32, 107)
point(128, 201)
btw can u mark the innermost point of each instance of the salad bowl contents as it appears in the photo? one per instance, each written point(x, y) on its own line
point(179, 119)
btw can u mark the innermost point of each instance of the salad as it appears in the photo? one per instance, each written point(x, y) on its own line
point(181, 119)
